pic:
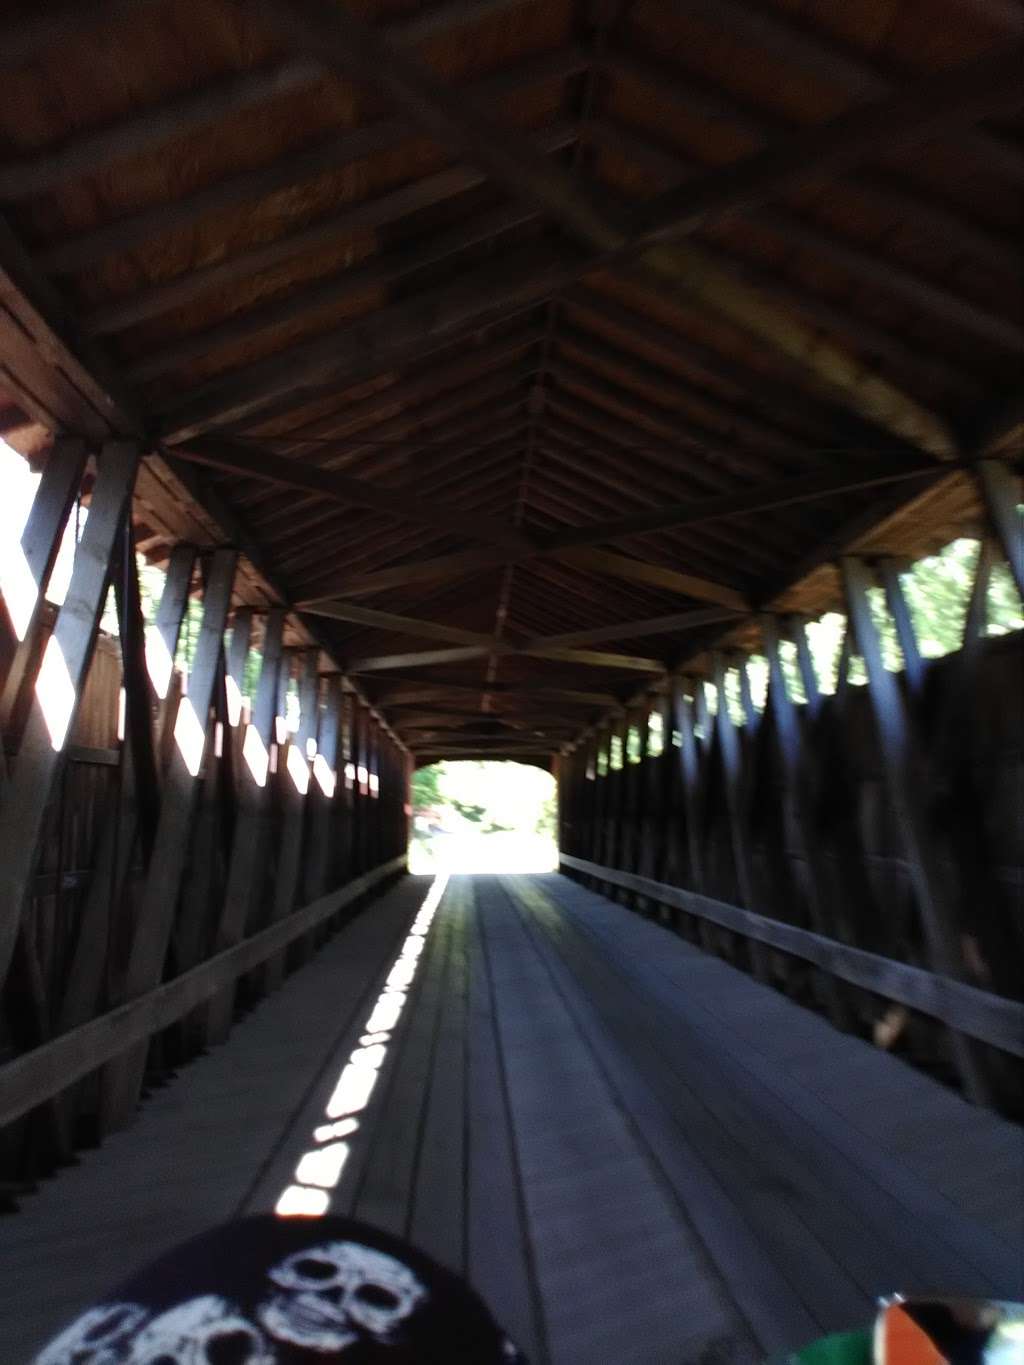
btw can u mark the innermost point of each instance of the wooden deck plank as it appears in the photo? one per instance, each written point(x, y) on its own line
point(223, 1138)
point(437, 1220)
point(852, 1157)
point(499, 1256)
point(562, 1111)
point(383, 1193)
point(639, 1153)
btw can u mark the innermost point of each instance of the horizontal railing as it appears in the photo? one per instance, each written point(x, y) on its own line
point(36, 1076)
point(989, 1018)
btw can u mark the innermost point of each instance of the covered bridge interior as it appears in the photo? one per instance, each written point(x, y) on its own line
point(493, 379)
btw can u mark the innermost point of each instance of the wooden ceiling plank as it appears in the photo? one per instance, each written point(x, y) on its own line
point(786, 492)
point(655, 625)
point(403, 391)
point(399, 625)
point(427, 432)
point(344, 43)
point(416, 659)
point(324, 293)
point(655, 576)
point(241, 459)
point(368, 346)
point(92, 151)
point(39, 29)
point(378, 211)
point(331, 153)
point(784, 36)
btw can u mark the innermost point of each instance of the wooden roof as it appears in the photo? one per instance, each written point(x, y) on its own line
point(506, 336)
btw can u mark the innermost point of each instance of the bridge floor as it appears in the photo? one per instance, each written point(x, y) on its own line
point(637, 1153)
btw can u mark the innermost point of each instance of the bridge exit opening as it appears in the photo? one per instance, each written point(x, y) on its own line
point(483, 816)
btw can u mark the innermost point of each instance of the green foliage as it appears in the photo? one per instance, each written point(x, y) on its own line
point(655, 735)
point(496, 796)
point(426, 787)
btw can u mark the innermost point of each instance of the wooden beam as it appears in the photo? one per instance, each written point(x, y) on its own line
point(899, 746)
point(760, 498)
point(654, 576)
point(990, 1018)
point(326, 791)
point(737, 800)
point(122, 1081)
point(239, 458)
point(32, 564)
point(423, 659)
point(564, 544)
point(58, 690)
point(791, 741)
point(1000, 330)
point(416, 692)
point(786, 402)
point(656, 625)
point(1000, 491)
point(399, 625)
point(923, 109)
point(347, 45)
point(333, 152)
point(35, 32)
point(428, 658)
point(590, 658)
point(700, 277)
point(90, 152)
point(458, 565)
point(296, 785)
point(914, 668)
point(27, 1081)
point(367, 346)
point(350, 283)
point(797, 44)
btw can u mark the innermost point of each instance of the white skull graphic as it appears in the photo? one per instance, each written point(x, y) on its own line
point(203, 1331)
point(98, 1337)
point(333, 1295)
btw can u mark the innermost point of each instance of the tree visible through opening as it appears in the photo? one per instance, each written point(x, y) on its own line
point(483, 816)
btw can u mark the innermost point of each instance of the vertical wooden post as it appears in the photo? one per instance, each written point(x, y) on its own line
point(735, 797)
point(1000, 491)
point(750, 712)
point(346, 803)
point(373, 789)
point(902, 767)
point(235, 658)
point(162, 644)
point(593, 838)
point(797, 626)
point(637, 798)
point(58, 690)
point(97, 950)
point(665, 860)
point(299, 766)
point(122, 1078)
point(654, 801)
point(32, 565)
point(327, 793)
point(976, 619)
point(295, 787)
point(247, 866)
point(617, 803)
point(790, 741)
point(899, 609)
point(693, 796)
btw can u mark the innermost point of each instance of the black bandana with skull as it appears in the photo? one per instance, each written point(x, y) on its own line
point(273, 1291)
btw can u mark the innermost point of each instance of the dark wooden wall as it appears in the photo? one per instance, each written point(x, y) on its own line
point(162, 882)
point(862, 851)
